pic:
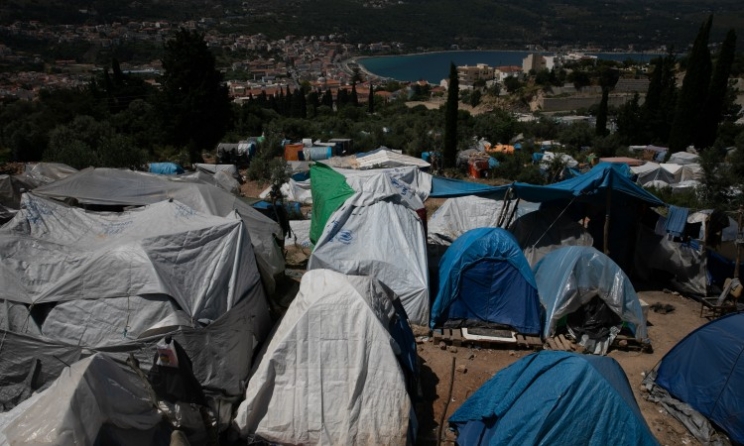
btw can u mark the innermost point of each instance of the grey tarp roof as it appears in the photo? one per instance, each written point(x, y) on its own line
point(52, 252)
point(116, 187)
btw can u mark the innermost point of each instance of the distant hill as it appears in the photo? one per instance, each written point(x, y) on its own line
point(421, 23)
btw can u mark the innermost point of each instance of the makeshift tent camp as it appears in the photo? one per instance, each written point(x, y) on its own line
point(383, 157)
point(459, 215)
point(225, 176)
point(92, 394)
point(546, 230)
point(484, 278)
point(122, 188)
point(293, 190)
point(554, 398)
point(330, 374)
point(704, 374)
point(377, 234)
point(576, 279)
point(74, 280)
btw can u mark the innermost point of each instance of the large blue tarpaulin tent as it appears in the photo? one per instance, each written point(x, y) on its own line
point(605, 192)
point(554, 398)
point(485, 277)
point(706, 371)
point(449, 187)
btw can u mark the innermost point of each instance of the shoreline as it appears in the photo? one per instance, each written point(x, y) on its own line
point(359, 60)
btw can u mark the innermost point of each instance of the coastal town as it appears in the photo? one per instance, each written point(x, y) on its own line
point(259, 64)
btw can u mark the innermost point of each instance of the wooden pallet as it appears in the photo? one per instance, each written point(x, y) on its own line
point(561, 343)
point(453, 336)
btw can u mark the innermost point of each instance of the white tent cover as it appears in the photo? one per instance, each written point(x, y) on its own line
point(457, 216)
point(292, 190)
point(375, 235)
point(330, 374)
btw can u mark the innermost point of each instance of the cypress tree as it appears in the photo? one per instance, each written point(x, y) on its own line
point(693, 93)
point(342, 98)
point(450, 119)
point(713, 109)
point(327, 99)
point(371, 99)
point(353, 98)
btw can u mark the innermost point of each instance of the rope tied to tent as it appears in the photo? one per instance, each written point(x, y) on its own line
point(554, 221)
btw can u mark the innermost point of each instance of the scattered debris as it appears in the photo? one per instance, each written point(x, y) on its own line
point(658, 307)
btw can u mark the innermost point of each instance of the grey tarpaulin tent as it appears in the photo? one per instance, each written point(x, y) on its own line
point(116, 187)
point(74, 282)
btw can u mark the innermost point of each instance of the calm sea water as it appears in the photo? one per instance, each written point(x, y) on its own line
point(434, 67)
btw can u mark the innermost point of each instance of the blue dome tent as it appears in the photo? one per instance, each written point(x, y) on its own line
point(485, 277)
point(705, 370)
point(554, 398)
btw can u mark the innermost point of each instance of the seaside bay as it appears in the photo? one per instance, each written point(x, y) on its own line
point(433, 67)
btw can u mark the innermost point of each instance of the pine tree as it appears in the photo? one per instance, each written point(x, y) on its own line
point(712, 111)
point(693, 93)
point(450, 119)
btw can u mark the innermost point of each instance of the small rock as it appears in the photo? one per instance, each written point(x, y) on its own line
point(471, 357)
point(512, 353)
point(442, 345)
point(453, 349)
point(462, 369)
point(422, 339)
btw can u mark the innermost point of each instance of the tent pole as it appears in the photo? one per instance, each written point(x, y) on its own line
point(607, 222)
point(738, 245)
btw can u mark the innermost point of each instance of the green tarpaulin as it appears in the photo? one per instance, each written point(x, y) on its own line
point(330, 190)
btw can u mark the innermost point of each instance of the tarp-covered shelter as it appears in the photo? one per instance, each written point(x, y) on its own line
point(117, 188)
point(605, 191)
point(442, 187)
point(75, 281)
point(546, 230)
point(92, 394)
point(380, 235)
point(554, 398)
point(704, 375)
point(332, 372)
point(458, 215)
point(331, 187)
point(165, 168)
point(485, 279)
point(225, 176)
point(33, 176)
point(578, 279)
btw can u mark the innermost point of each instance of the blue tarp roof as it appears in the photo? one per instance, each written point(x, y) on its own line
point(554, 398)
point(589, 186)
point(507, 295)
point(448, 188)
point(570, 277)
point(706, 371)
point(166, 168)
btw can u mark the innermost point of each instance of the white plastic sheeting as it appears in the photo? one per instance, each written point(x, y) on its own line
point(457, 216)
point(293, 191)
point(565, 158)
point(374, 235)
point(300, 233)
point(572, 276)
point(683, 158)
point(330, 373)
point(88, 394)
point(51, 252)
point(116, 187)
point(546, 230)
point(409, 182)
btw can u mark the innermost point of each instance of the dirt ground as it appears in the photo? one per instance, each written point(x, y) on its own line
point(481, 364)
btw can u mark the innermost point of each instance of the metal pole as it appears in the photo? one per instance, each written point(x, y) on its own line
point(607, 222)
